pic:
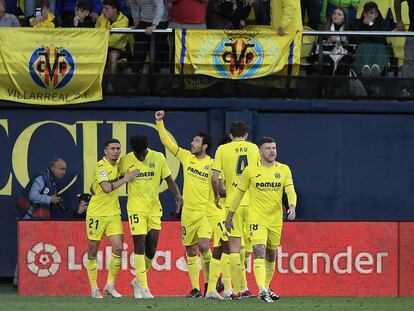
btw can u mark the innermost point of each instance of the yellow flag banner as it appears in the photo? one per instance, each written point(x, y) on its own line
point(52, 66)
point(237, 54)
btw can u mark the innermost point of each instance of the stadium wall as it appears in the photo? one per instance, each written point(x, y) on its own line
point(350, 160)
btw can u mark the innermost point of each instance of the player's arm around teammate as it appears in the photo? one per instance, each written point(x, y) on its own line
point(104, 216)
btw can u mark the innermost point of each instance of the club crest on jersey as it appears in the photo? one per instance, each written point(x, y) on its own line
point(51, 67)
point(206, 167)
point(277, 175)
point(152, 165)
point(239, 55)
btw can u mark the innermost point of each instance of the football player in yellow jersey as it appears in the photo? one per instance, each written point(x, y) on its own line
point(198, 198)
point(266, 183)
point(231, 159)
point(103, 216)
point(144, 207)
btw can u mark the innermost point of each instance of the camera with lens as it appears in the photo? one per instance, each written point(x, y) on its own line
point(60, 204)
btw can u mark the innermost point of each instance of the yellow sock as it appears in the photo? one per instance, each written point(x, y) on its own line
point(243, 280)
point(215, 269)
point(194, 271)
point(92, 269)
point(260, 273)
point(205, 264)
point(270, 271)
point(148, 263)
point(114, 266)
point(235, 271)
point(225, 269)
point(140, 270)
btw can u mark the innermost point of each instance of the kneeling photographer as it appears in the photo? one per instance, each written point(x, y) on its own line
point(228, 14)
point(83, 202)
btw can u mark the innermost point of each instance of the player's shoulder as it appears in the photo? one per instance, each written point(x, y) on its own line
point(102, 163)
point(156, 155)
point(282, 166)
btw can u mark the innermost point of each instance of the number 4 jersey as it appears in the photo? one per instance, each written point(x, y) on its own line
point(231, 159)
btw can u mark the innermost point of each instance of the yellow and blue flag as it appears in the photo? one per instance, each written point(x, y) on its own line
point(52, 66)
point(237, 54)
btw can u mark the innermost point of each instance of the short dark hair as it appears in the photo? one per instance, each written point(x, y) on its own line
point(368, 6)
point(112, 141)
point(84, 197)
point(138, 143)
point(113, 3)
point(84, 5)
point(207, 140)
point(239, 128)
point(266, 140)
point(225, 140)
point(43, 3)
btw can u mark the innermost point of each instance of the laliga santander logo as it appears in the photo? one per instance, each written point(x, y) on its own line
point(51, 67)
point(43, 260)
point(239, 56)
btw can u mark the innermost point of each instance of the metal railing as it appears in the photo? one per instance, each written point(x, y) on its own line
point(291, 89)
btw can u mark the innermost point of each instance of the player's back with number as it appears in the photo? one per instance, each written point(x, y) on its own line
point(232, 159)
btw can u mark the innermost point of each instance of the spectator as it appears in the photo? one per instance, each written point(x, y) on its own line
point(41, 194)
point(31, 5)
point(113, 18)
point(328, 6)
point(153, 15)
point(80, 18)
point(371, 56)
point(336, 56)
point(313, 10)
point(83, 202)
point(188, 14)
point(11, 6)
point(262, 12)
point(44, 18)
point(286, 16)
point(408, 66)
point(6, 19)
point(66, 11)
point(228, 14)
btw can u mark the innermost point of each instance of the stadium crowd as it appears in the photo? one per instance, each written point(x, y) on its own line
point(367, 56)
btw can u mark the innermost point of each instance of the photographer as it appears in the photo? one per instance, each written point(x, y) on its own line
point(41, 194)
point(83, 202)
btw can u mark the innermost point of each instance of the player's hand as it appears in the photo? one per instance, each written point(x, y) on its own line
point(281, 31)
point(129, 175)
point(55, 199)
point(159, 115)
point(216, 201)
point(229, 223)
point(178, 203)
point(291, 213)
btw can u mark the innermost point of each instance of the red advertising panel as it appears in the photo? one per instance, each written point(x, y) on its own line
point(406, 235)
point(315, 258)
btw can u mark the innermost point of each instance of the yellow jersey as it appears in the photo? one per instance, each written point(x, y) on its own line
point(197, 191)
point(101, 203)
point(143, 190)
point(231, 159)
point(116, 40)
point(266, 185)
